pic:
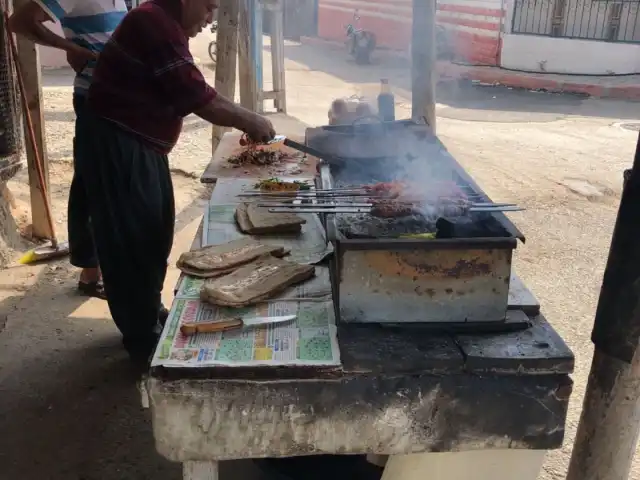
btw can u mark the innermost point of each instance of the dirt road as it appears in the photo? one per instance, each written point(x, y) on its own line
point(69, 408)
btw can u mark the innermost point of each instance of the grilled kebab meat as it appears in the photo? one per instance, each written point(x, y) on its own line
point(391, 209)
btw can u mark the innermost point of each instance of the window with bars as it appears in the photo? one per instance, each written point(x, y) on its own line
point(606, 20)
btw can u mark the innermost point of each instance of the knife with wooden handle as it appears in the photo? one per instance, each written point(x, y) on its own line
point(231, 324)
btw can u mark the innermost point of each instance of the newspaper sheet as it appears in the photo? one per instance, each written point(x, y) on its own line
point(309, 247)
point(310, 340)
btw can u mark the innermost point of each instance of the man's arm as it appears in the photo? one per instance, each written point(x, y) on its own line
point(225, 113)
point(29, 21)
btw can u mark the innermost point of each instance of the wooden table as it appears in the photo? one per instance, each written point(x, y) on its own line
point(220, 168)
point(490, 405)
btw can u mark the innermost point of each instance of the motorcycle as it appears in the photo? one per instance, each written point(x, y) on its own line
point(360, 43)
point(212, 43)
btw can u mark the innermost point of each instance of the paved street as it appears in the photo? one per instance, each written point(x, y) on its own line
point(69, 408)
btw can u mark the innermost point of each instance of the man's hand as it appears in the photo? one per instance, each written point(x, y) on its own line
point(221, 111)
point(78, 59)
point(258, 128)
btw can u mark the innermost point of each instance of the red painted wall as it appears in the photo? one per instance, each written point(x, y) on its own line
point(472, 26)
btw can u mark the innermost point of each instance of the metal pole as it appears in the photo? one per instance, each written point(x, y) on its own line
point(423, 61)
point(610, 421)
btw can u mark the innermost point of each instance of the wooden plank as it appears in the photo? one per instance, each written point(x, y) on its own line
point(247, 78)
point(537, 350)
point(226, 55)
point(30, 65)
point(219, 167)
point(423, 61)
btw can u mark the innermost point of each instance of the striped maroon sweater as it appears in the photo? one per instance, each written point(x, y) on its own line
point(145, 80)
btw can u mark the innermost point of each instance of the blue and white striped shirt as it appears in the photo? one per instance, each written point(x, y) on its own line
point(88, 23)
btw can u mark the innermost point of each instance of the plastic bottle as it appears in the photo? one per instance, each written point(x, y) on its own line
point(386, 102)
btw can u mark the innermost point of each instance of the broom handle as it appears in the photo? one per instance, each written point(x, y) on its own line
point(30, 129)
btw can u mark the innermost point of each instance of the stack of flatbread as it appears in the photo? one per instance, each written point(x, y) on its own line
point(255, 220)
point(255, 282)
point(218, 260)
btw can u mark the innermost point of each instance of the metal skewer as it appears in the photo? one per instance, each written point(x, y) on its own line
point(351, 209)
point(308, 193)
point(370, 204)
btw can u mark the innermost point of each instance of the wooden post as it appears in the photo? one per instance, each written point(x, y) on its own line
point(277, 56)
point(610, 421)
point(255, 45)
point(226, 54)
point(248, 83)
point(423, 61)
point(30, 66)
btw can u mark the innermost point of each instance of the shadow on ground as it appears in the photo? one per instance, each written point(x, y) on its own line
point(70, 408)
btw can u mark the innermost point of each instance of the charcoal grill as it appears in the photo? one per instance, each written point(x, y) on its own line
point(460, 277)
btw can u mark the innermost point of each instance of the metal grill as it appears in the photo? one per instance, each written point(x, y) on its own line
point(10, 124)
point(608, 20)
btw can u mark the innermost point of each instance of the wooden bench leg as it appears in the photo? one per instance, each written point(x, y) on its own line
point(200, 471)
point(476, 465)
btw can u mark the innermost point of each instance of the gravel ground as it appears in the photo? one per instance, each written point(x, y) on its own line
point(61, 368)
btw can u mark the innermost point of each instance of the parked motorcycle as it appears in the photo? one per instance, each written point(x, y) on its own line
point(212, 43)
point(360, 43)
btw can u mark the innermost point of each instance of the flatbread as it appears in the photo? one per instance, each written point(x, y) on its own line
point(218, 260)
point(242, 218)
point(255, 282)
point(255, 220)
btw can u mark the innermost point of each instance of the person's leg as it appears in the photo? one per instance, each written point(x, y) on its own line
point(81, 245)
point(132, 212)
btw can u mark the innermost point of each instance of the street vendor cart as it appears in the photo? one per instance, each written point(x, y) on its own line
point(441, 400)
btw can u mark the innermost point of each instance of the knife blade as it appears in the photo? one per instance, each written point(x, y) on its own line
point(231, 324)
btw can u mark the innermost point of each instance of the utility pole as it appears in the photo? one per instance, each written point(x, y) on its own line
point(610, 421)
point(423, 61)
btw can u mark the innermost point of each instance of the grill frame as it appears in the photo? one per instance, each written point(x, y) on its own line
point(418, 281)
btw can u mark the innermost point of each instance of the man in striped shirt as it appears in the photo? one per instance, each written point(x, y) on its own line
point(87, 26)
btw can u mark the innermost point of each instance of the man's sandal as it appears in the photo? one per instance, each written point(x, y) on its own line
point(92, 289)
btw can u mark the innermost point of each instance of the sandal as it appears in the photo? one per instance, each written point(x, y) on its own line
point(92, 289)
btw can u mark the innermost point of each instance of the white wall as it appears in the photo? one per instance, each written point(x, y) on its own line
point(563, 55)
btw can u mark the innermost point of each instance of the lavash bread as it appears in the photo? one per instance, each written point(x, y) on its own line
point(255, 282)
point(255, 220)
point(217, 260)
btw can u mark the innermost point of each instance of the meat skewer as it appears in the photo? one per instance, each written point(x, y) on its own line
point(373, 204)
point(386, 210)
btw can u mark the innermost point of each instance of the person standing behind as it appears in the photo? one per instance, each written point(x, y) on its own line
point(87, 26)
